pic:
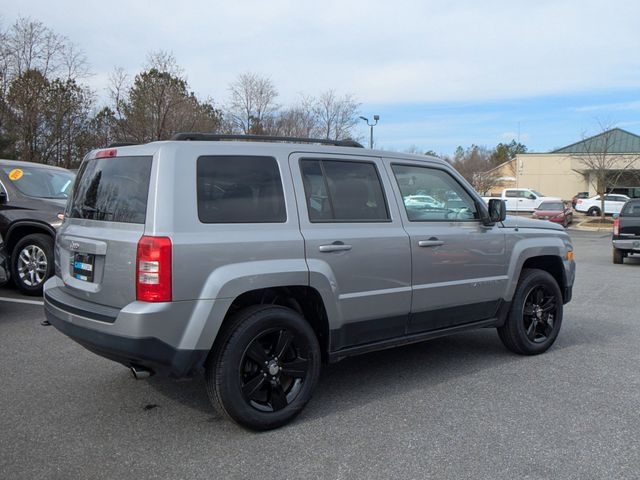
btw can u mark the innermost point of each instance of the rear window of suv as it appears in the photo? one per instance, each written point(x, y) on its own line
point(112, 190)
point(240, 189)
point(631, 209)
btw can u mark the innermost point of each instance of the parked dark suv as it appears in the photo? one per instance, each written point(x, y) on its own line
point(32, 201)
point(626, 231)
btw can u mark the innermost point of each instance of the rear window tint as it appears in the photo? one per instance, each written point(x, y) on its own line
point(237, 189)
point(112, 190)
point(631, 209)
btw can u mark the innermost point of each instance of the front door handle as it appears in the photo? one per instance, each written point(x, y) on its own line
point(334, 247)
point(432, 242)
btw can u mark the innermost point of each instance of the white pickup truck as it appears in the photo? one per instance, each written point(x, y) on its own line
point(523, 199)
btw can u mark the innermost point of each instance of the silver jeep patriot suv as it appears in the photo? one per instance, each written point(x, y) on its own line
point(257, 259)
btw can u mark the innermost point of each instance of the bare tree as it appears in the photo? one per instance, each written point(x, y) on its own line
point(157, 103)
point(337, 116)
point(39, 93)
point(474, 164)
point(33, 46)
point(599, 161)
point(252, 103)
point(299, 120)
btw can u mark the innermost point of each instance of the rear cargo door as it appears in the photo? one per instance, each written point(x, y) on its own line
point(105, 218)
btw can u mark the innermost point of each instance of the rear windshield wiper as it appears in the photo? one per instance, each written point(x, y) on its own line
point(95, 211)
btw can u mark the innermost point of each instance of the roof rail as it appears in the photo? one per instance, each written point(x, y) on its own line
point(213, 137)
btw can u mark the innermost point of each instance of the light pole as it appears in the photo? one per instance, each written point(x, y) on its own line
point(375, 118)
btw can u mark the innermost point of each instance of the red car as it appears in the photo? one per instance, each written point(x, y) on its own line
point(557, 212)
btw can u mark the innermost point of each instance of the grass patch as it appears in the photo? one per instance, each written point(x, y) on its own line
point(597, 222)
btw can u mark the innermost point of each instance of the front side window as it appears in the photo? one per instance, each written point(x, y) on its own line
point(237, 189)
point(430, 194)
point(343, 191)
point(40, 182)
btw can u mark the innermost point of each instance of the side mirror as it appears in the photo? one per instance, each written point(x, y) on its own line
point(497, 211)
point(3, 197)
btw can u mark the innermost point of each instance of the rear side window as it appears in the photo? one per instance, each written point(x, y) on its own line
point(112, 190)
point(236, 189)
point(343, 191)
point(631, 209)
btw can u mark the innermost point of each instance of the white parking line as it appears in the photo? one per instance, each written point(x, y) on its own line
point(19, 300)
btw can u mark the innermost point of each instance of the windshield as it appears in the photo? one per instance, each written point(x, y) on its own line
point(555, 206)
point(537, 193)
point(40, 182)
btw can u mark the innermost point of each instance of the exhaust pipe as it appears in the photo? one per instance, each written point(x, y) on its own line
point(140, 372)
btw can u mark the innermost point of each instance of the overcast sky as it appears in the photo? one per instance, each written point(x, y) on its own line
point(439, 73)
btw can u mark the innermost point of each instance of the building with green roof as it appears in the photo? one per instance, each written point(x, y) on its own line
point(568, 170)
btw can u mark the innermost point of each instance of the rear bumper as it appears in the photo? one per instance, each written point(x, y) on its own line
point(162, 337)
point(633, 245)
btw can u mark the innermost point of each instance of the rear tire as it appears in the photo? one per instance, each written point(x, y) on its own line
point(593, 212)
point(264, 367)
point(618, 256)
point(535, 316)
point(32, 263)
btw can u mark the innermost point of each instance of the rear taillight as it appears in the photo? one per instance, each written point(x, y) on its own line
point(616, 226)
point(153, 269)
point(578, 202)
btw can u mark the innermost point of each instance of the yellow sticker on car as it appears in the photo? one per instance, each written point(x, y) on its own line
point(15, 174)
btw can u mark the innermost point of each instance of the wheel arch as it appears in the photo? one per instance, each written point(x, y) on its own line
point(551, 264)
point(304, 299)
point(21, 229)
point(531, 254)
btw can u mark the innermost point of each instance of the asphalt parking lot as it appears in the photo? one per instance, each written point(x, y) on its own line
point(459, 407)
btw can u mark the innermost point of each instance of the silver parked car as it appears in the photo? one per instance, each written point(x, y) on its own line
point(256, 261)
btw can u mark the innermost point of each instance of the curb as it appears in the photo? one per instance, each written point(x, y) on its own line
point(585, 228)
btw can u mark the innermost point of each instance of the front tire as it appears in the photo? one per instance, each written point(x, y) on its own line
point(264, 367)
point(535, 316)
point(32, 263)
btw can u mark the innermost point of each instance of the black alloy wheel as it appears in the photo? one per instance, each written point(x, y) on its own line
point(273, 370)
point(538, 313)
point(535, 315)
point(263, 367)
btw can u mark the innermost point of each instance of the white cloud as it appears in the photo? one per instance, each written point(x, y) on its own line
point(508, 136)
point(384, 52)
point(617, 106)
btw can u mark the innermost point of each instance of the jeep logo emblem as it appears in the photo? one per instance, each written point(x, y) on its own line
point(74, 245)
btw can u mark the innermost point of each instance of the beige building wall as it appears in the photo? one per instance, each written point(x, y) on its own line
point(551, 174)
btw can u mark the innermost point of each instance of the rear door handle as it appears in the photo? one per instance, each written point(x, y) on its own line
point(432, 242)
point(334, 247)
